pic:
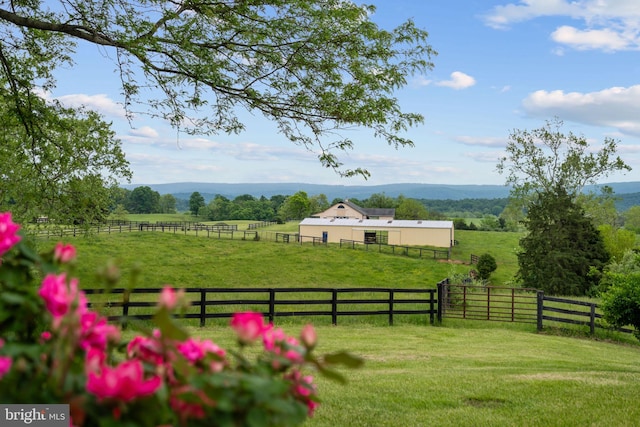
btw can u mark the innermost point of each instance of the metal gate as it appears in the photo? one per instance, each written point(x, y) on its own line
point(488, 303)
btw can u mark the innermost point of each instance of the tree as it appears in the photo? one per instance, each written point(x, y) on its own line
point(63, 152)
point(312, 67)
point(486, 265)
point(617, 241)
point(541, 160)
point(296, 206)
point(410, 209)
point(563, 249)
point(380, 200)
point(632, 218)
point(143, 200)
point(318, 203)
point(621, 303)
point(196, 201)
point(219, 208)
point(168, 203)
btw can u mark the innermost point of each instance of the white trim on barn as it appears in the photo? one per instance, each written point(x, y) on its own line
point(394, 232)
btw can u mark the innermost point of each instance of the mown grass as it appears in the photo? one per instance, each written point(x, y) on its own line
point(443, 376)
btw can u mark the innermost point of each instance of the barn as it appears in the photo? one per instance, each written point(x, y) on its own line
point(393, 232)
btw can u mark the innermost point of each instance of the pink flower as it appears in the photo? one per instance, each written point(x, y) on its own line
point(94, 360)
point(5, 365)
point(304, 390)
point(59, 297)
point(195, 350)
point(277, 342)
point(169, 298)
point(249, 326)
point(95, 332)
point(147, 349)
point(8, 230)
point(308, 336)
point(125, 382)
point(64, 253)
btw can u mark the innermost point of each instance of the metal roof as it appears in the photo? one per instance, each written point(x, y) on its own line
point(395, 223)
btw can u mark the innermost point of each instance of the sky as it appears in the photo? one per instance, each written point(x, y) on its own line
point(501, 66)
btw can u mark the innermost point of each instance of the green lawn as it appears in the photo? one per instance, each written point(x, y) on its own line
point(442, 376)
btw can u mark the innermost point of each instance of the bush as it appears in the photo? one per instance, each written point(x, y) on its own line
point(486, 266)
point(621, 303)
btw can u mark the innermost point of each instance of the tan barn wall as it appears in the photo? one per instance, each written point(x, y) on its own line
point(438, 237)
point(335, 212)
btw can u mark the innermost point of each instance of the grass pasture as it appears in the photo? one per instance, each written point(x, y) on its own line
point(478, 376)
point(462, 373)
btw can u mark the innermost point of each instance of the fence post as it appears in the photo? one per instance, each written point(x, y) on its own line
point(125, 308)
point(431, 294)
point(592, 323)
point(334, 307)
point(203, 307)
point(390, 308)
point(540, 308)
point(272, 304)
point(441, 296)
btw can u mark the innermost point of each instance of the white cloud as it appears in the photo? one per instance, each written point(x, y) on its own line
point(144, 132)
point(100, 103)
point(606, 39)
point(459, 80)
point(616, 107)
point(609, 25)
point(482, 141)
point(422, 81)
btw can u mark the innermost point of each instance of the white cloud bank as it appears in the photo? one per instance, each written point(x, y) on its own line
point(616, 107)
point(609, 25)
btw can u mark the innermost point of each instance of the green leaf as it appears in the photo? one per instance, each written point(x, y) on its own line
point(344, 358)
point(167, 326)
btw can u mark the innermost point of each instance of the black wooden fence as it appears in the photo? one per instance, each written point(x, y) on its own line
point(515, 305)
point(397, 249)
point(276, 302)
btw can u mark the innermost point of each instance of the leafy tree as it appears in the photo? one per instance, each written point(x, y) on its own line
point(539, 161)
point(167, 203)
point(562, 249)
point(600, 208)
point(196, 201)
point(120, 213)
point(296, 206)
point(486, 265)
point(313, 67)
point(621, 303)
point(62, 153)
point(617, 241)
point(410, 209)
point(632, 218)
point(318, 203)
point(380, 200)
point(143, 200)
point(219, 208)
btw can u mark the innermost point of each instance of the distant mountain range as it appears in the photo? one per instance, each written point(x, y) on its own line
point(183, 190)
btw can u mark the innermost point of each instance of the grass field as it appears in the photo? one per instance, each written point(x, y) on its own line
point(461, 373)
point(441, 376)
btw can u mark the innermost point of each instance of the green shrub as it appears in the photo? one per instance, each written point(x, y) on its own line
point(621, 303)
point(486, 265)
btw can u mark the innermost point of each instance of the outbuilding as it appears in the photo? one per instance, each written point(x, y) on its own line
point(393, 232)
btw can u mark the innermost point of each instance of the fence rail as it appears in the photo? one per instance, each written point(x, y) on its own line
point(279, 302)
point(397, 249)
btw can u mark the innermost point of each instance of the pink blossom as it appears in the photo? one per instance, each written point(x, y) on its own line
point(124, 382)
point(277, 342)
point(249, 326)
point(95, 332)
point(64, 253)
point(5, 365)
point(8, 230)
point(169, 298)
point(195, 350)
point(308, 336)
point(304, 389)
point(146, 349)
point(59, 296)
point(94, 360)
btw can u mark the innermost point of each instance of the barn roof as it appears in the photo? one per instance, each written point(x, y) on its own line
point(396, 223)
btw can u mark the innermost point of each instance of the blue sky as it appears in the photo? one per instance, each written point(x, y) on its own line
point(501, 65)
